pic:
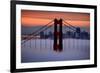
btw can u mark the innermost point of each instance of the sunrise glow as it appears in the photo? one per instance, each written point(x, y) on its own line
point(36, 18)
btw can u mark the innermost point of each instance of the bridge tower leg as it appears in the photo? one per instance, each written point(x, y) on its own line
point(58, 35)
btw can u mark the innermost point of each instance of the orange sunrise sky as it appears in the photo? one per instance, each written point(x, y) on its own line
point(36, 18)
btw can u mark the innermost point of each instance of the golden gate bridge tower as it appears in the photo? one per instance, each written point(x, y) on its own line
point(58, 35)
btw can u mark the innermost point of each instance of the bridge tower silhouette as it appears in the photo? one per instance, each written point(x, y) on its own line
point(58, 35)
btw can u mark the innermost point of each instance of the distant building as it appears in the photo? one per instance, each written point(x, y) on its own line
point(77, 33)
point(42, 35)
point(69, 34)
point(85, 35)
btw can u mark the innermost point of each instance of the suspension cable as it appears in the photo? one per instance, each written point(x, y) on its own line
point(36, 34)
point(69, 27)
point(69, 24)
